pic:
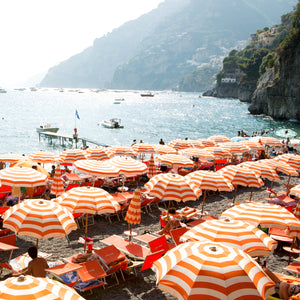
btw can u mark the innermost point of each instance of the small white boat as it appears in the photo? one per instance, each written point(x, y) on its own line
point(47, 127)
point(112, 123)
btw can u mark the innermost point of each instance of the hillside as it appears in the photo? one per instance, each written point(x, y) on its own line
point(164, 48)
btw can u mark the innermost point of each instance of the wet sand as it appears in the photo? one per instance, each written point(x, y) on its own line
point(144, 286)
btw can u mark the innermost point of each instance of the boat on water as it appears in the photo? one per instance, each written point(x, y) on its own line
point(147, 94)
point(47, 127)
point(112, 123)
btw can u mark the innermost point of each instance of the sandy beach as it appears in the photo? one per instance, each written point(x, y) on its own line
point(143, 286)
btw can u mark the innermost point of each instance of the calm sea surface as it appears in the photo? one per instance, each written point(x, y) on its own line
point(167, 115)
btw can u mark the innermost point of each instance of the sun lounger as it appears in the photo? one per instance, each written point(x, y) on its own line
point(159, 244)
point(200, 220)
point(5, 264)
point(126, 246)
point(177, 233)
point(145, 238)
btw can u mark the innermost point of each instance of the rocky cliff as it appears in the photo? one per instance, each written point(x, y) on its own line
point(278, 90)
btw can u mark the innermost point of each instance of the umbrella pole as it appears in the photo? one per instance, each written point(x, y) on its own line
point(251, 193)
point(204, 196)
point(234, 195)
point(86, 225)
point(130, 230)
point(37, 243)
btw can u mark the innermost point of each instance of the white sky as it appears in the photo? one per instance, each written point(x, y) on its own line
point(38, 34)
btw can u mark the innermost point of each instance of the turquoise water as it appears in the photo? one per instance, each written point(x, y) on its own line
point(167, 115)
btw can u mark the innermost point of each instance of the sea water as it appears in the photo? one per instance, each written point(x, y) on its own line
point(167, 115)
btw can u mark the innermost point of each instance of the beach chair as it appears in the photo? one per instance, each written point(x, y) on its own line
point(130, 248)
point(145, 238)
point(177, 233)
point(5, 264)
point(71, 186)
point(146, 202)
point(159, 244)
point(114, 259)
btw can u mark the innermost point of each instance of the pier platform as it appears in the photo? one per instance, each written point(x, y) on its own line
point(66, 140)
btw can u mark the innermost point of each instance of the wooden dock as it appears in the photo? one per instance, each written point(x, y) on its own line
point(68, 140)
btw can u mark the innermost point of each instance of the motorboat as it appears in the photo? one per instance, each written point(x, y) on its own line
point(47, 127)
point(147, 94)
point(112, 123)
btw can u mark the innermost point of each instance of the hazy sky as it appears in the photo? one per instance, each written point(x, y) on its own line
point(38, 34)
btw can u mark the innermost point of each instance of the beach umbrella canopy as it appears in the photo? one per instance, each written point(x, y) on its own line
point(196, 144)
point(267, 141)
point(180, 144)
point(11, 157)
point(241, 176)
point(207, 142)
point(152, 171)
point(164, 149)
point(129, 167)
point(235, 147)
point(291, 159)
point(295, 191)
point(207, 270)
point(297, 210)
point(233, 233)
point(29, 164)
point(170, 186)
point(29, 287)
point(281, 166)
point(219, 138)
point(44, 157)
point(253, 145)
point(143, 148)
point(262, 170)
point(57, 186)
point(219, 152)
point(39, 218)
point(197, 152)
point(120, 150)
point(89, 200)
point(98, 168)
point(22, 177)
point(96, 153)
point(71, 155)
point(286, 133)
point(266, 215)
point(175, 160)
point(207, 180)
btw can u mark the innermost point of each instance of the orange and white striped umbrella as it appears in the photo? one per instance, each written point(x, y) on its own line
point(179, 144)
point(57, 186)
point(233, 233)
point(164, 149)
point(31, 164)
point(253, 145)
point(71, 155)
point(11, 157)
point(281, 166)
point(98, 168)
point(295, 191)
point(39, 218)
point(235, 147)
point(88, 200)
point(96, 153)
point(29, 287)
point(219, 152)
point(267, 140)
point(152, 171)
point(207, 270)
point(196, 144)
point(291, 159)
point(207, 142)
point(133, 215)
point(262, 170)
point(175, 160)
point(143, 148)
point(22, 177)
point(170, 186)
point(120, 150)
point(207, 180)
point(241, 176)
point(44, 157)
point(219, 138)
point(129, 166)
point(197, 152)
point(264, 214)
point(297, 210)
